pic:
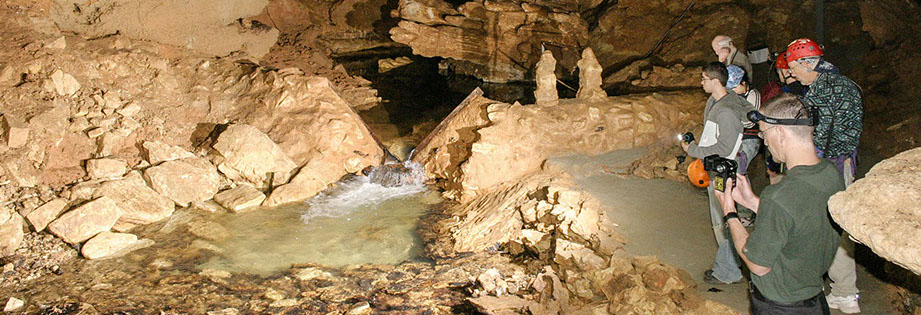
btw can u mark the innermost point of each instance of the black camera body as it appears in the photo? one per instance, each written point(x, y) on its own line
point(686, 137)
point(724, 169)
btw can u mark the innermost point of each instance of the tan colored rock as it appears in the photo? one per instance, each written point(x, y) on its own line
point(86, 221)
point(882, 209)
point(64, 83)
point(95, 133)
point(40, 217)
point(129, 110)
point(184, 181)
point(139, 203)
point(11, 235)
point(209, 26)
point(314, 126)
point(492, 282)
point(9, 76)
point(240, 198)
point(13, 304)
point(508, 304)
point(546, 79)
point(590, 77)
point(485, 143)
point(160, 152)
point(113, 141)
point(248, 155)
point(494, 41)
point(15, 131)
point(58, 44)
point(572, 255)
point(106, 168)
point(107, 244)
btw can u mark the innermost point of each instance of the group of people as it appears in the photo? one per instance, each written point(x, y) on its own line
point(810, 123)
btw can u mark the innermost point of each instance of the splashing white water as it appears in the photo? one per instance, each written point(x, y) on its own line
point(361, 193)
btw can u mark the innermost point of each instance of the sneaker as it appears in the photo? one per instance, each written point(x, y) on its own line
point(846, 304)
point(709, 278)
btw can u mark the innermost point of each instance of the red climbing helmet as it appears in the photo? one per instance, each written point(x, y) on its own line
point(802, 48)
point(781, 61)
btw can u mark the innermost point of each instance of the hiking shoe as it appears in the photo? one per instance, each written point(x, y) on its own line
point(846, 304)
point(709, 278)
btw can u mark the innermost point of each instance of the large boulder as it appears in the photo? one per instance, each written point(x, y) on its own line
point(882, 210)
point(86, 221)
point(208, 26)
point(184, 181)
point(139, 203)
point(311, 123)
point(248, 155)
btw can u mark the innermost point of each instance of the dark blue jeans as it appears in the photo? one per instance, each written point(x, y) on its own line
point(762, 305)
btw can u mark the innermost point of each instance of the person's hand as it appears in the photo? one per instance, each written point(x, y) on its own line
point(727, 201)
point(743, 193)
point(686, 145)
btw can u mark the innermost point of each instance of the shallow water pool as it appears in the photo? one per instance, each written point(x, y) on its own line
point(358, 222)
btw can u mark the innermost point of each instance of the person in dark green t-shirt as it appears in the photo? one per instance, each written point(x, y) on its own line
point(793, 244)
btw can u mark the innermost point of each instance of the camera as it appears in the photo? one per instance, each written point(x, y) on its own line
point(686, 137)
point(724, 169)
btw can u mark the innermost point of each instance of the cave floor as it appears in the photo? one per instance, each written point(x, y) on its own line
point(669, 219)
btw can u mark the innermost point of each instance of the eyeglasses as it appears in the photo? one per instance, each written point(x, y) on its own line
point(761, 133)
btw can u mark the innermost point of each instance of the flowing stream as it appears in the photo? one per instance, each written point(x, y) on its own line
point(363, 219)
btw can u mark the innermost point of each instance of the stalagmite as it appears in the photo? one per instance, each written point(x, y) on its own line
point(546, 80)
point(590, 77)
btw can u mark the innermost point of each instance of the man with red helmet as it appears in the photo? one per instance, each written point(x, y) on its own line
point(839, 108)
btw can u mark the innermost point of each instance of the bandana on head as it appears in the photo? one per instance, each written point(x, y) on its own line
point(826, 67)
point(735, 76)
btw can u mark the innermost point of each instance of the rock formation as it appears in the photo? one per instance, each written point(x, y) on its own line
point(247, 155)
point(485, 143)
point(86, 221)
point(590, 77)
point(214, 27)
point(139, 203)
point(497, 41)
point(546, 93)
point(882, 210)
point(10, 232)
point(184, 181)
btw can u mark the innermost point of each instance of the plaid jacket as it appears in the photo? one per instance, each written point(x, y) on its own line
point(835, 96)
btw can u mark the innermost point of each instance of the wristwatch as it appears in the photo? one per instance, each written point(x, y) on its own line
point(731, 215)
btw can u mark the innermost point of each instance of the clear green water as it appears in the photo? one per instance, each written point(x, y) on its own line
point(357, 223)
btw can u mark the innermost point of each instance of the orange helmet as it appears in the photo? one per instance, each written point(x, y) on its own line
point(781, 61)
point(802, 48)
point(697, 174)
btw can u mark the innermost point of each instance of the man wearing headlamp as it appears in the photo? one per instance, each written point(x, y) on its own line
point(794, 243)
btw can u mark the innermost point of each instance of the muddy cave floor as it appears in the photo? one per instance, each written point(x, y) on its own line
point(670, 220)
